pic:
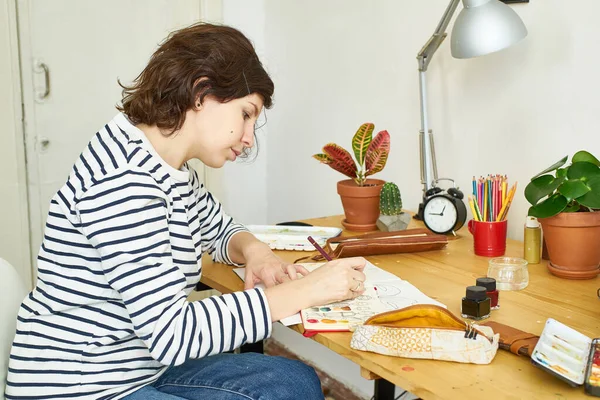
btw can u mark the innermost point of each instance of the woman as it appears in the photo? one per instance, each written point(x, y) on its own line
point(124, 238)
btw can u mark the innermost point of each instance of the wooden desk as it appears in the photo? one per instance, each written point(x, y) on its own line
point(444, 275)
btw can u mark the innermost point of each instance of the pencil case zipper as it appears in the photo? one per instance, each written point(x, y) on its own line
point(468, 328)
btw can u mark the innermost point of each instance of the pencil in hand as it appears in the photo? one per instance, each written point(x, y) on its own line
point(319, 248)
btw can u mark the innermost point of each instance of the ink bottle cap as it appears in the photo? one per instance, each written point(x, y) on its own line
point(476, 293)
point(490, 286)
point(488, 283)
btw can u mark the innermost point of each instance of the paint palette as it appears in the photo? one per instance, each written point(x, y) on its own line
point(342, 316)
point(592, 377)
point(282, 237)
point(563, 351)
point(335, 311)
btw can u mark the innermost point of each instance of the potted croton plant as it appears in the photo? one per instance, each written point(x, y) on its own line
point(566, 200)
point(359, 194)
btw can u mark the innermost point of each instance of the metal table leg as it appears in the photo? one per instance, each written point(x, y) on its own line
point(384, 390)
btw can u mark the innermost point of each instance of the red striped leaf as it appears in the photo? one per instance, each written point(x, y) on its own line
point(361, 141)
point(377, 153)
point(341, 160)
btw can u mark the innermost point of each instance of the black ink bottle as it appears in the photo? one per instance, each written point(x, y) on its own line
point(476, 305)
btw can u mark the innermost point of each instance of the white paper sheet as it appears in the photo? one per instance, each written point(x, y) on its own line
point(393, 292)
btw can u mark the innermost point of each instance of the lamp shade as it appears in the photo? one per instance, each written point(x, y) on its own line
point(483, 27)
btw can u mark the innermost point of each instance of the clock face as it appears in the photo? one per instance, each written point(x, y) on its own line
point(440, 214)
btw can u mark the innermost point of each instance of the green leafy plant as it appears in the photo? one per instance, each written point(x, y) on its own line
point(390, 202)
point(370, 153)
point(573, 188)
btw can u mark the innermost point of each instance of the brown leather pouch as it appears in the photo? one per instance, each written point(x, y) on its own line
point(370, 244)
point(514, 340)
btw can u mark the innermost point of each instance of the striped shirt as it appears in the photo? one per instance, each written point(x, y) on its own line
point(121, 252)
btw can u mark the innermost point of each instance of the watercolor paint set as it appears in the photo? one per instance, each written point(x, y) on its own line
point(569, 355)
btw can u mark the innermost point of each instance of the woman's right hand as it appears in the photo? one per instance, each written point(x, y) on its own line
point(336, 280)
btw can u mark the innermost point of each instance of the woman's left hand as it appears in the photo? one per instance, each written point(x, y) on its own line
point(262, 265)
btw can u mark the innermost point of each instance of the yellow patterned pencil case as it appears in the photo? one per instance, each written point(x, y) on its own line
point(426, 331)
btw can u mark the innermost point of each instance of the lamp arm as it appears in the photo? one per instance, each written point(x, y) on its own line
point(428, 50)
point(426, 150)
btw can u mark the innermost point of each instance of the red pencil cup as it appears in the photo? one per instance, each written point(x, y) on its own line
point(489, 238)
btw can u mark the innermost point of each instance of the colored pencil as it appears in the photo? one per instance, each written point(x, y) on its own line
point(480, 198)
point(509, 199)
point(491, 197)
point(319, 248)
point(485, 201)
point(472, 206)
point(495, 200)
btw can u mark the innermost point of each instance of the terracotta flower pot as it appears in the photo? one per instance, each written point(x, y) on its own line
point(573, 242)
point(361, 204)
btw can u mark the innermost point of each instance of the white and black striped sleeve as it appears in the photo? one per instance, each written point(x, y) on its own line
point(216, 226)
point(127, 220)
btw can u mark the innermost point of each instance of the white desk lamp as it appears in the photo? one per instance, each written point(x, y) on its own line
point(482, 27)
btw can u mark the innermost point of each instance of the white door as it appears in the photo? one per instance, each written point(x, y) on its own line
point(72, 53)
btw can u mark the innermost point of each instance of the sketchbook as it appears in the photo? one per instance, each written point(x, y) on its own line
point(383, 292)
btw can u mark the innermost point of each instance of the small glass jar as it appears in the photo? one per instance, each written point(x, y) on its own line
point(490, 286)
point(510, 273)
point(476, 305)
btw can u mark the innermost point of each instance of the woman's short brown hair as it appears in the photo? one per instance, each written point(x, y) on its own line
point(172, 81)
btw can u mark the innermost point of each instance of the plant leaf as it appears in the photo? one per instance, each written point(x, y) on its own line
point(592, 198)
point(585, 157)
point(341, 160)
point(573, 188)
point(553, 167)
point(377, 153)
point(583, 170)
point(561, 172)
point(361, 141)
point(573, 207)
point(549, 207)
point(324, 158)
point(541, 187)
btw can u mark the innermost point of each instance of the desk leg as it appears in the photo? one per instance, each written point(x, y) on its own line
point(384, 390)
point(253, 348)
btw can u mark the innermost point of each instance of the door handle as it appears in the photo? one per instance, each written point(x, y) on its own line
point(40, 67)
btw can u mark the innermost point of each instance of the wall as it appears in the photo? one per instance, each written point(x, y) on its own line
point(242, 187)
point(14, 230)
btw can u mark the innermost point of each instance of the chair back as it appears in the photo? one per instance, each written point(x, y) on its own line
point(13, 290)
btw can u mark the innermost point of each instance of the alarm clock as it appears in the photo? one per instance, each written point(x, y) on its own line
point(445, 212)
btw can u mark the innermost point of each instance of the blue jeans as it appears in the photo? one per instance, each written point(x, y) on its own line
point(247, 376)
